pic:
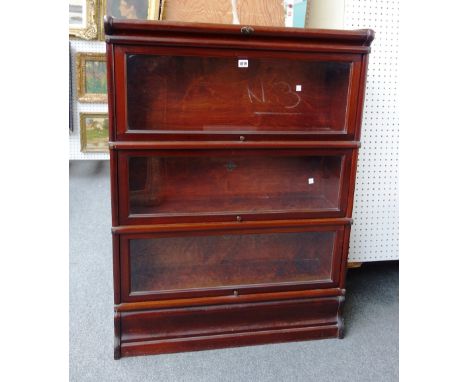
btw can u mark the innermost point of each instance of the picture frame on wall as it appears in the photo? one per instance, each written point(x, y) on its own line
point(82, 21)
point(91, 81)
point(94, 132)
point(133, 9)
point(129, 9)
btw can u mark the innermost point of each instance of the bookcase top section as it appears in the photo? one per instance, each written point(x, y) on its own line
point(128, 31)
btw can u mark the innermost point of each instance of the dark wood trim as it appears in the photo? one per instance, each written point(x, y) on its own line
point(338, 254)
point(181, 227)
point(361, 96)
point(195, 51)
point(116, 267)
point(114, 186)
point(118, 27)
point(219, 300)
point(226, 340)
point(150, 219)
point(190, 145)
point(218, 43)
point(353, 99)
point(352, 184)
point(344, 259)
point(227, 291)
point(234, 138)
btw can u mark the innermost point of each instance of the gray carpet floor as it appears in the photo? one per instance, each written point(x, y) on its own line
point(369, 351)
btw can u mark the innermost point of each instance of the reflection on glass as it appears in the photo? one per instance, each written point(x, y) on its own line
point(228, 260)
point(233, 184)
point(235, 94)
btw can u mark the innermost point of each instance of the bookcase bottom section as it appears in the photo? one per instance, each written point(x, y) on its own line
point(209, 327)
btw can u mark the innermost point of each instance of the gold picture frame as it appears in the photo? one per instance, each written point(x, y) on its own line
point(94, 132)
point(154, 13)
point(91, 77)
point(83, 19)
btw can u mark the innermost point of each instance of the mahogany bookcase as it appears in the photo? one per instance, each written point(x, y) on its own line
point(233, 154)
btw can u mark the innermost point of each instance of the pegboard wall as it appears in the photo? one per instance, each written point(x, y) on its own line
point(74, 141)
point(374, 235)
point(375, 231)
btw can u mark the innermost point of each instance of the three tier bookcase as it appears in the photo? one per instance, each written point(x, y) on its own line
point(233, 156)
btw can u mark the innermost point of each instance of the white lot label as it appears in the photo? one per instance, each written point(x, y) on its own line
point(311, 180)
point(243, 63)
point(298, 88)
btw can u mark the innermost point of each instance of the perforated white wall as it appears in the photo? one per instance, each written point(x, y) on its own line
point(74, 141)
point(374, 235)
point(375, 231)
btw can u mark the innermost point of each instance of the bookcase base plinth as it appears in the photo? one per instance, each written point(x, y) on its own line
point(231, 325)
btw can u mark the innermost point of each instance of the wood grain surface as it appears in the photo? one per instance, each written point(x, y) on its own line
point(201, 11)
point(250, 12)
point(261, 12)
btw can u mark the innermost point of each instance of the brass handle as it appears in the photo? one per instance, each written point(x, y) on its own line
point(247, 30)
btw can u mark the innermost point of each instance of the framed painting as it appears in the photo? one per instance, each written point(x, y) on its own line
point(82, 19)
point(129, 9)
point(94, 132)
point(91, 81)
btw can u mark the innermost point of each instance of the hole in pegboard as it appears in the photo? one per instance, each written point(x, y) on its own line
point(374, 235)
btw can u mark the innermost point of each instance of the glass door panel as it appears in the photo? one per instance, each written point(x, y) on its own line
point(235, 94)
point(234, 183)
point(193, 262)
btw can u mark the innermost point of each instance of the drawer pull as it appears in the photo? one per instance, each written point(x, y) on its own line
point(247, 30)
point(242, 138)
point(238, 218)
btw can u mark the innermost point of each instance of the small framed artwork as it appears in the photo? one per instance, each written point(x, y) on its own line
point(94, 132)
point(82, 20)
point(91, 81)
point(133, 9)
point(129, 9)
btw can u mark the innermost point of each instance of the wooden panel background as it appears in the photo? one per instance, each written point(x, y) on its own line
point(251, 12)
point(202, 11)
